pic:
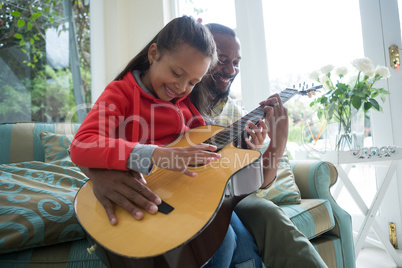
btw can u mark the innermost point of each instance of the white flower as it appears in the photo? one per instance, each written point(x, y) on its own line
point(341, 71)
point(327, 68)
point(382, 71)
point(314, 75)
point(352, 80)
point(364, 65)
point(325, 81)
point(369, 74)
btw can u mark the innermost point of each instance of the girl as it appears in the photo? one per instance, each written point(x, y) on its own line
point(143, 109)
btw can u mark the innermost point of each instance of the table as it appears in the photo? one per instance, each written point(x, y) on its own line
point(373, 156)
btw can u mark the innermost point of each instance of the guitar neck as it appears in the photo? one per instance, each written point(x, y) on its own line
point(233, 131)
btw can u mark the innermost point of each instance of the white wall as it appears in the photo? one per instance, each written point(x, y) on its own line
point(121, 29)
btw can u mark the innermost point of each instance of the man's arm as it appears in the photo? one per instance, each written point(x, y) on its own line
point(278, 124)
point(278, 129)
point(123, 188)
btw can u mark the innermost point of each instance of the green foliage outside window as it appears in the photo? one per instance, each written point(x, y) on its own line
point(33, 86)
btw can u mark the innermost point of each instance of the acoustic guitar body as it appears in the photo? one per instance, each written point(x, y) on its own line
point(190, 234)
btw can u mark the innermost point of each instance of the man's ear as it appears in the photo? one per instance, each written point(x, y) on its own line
point(153, 53)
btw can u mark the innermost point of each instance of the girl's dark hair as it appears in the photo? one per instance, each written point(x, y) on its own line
point(182, 30)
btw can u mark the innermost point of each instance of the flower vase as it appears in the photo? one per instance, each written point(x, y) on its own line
point(349, 141)
point(353, 138)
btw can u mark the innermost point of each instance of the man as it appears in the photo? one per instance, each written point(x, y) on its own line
point(279, 242)
point(238, 245)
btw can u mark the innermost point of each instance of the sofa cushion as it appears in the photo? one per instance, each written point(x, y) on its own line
point(36, 204)
point(69, 254)
point(283, 190)
point(312, 217)
point(20, 142)
point(55, 145)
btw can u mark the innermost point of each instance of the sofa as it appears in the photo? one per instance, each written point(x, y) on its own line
point(38, 183)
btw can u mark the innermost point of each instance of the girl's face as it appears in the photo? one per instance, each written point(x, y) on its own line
point(175, 73)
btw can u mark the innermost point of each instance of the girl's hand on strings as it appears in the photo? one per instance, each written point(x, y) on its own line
point(179, 158)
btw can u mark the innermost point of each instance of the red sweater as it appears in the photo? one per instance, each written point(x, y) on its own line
point(123, 116)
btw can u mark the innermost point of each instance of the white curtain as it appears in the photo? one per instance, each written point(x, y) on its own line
point(254, 64)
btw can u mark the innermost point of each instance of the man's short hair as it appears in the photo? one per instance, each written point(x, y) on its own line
point(217, 28)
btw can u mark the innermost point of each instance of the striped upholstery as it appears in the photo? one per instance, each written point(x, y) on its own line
point(21, 142)
point(65, 255)
point(326, 246)
point(314, 179)
point(312, 217)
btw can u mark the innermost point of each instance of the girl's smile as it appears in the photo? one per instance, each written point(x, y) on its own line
point(170, 93)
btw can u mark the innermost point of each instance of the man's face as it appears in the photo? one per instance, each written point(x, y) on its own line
point(227, 68)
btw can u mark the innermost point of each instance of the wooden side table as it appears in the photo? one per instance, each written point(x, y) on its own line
point(373, 156)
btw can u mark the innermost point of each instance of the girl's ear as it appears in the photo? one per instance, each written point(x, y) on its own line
point(153, 53)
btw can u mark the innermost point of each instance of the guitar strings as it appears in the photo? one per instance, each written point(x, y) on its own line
point(232, 132)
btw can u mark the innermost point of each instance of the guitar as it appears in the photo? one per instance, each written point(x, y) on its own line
point(195, 214)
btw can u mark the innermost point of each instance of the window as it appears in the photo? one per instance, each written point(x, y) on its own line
point(37, 73)
point(314, 33)
point(210, 11)
point(300, 40)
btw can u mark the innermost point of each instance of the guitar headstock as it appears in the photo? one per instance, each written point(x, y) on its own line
point(304, 89)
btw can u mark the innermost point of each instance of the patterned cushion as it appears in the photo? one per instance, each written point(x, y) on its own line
point(312, 217)
point(20, 142)
point(36, 204)
point(283, 190)
point(55, 146)
point(64, 255)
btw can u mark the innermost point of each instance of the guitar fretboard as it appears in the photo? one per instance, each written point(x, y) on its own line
point(234, 131)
